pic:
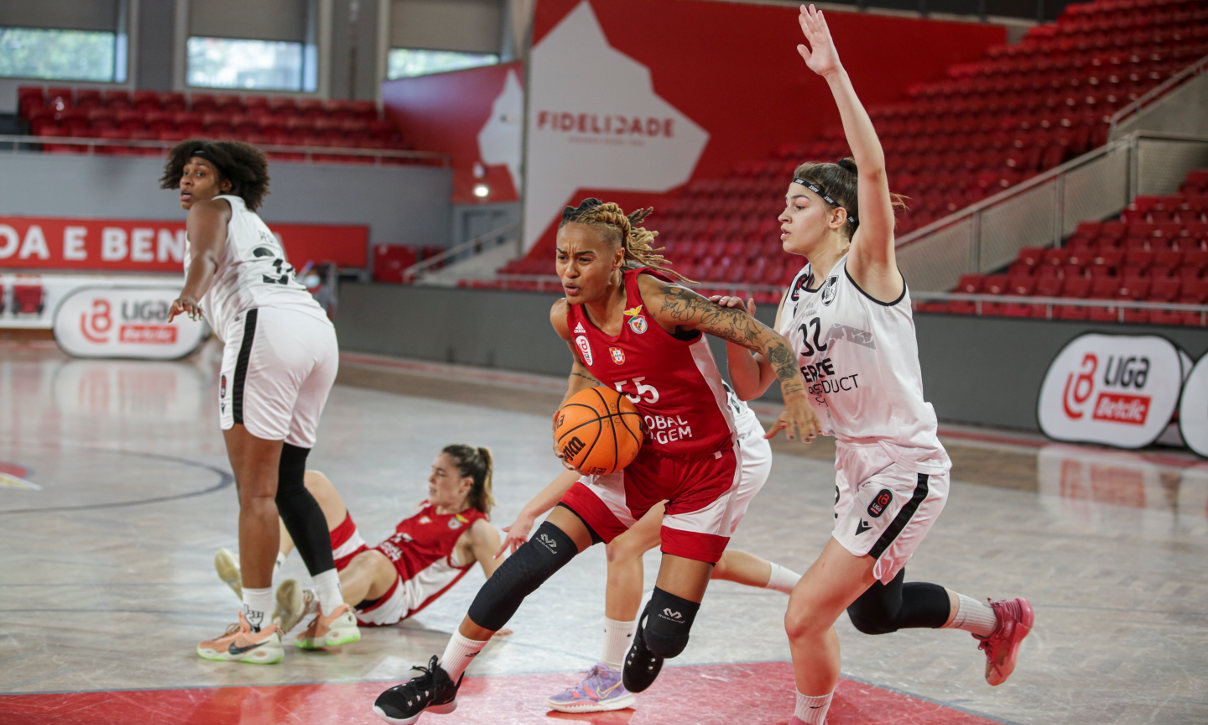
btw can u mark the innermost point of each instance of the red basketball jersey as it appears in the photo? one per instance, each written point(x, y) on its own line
point(426, 538)
point(674, 383)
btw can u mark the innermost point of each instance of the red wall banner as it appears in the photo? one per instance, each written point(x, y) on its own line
point(154, 246)
point(474, 115)
point(630, 99)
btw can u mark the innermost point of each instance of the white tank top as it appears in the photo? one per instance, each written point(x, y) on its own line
point(860, 361)
point(252, 272)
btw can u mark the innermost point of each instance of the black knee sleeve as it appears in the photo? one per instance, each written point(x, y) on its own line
point(301, 514)
point(886, 608)
point(519, 576)
point(666, 623)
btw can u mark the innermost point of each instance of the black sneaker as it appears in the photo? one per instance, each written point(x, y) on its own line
point(641, 665)
point(430, 691)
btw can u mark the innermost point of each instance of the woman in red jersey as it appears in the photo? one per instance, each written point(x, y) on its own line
point(631, 327)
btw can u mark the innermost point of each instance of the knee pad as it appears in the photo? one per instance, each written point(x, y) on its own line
point(666, 623)
point(876, 610)
point(519, 576)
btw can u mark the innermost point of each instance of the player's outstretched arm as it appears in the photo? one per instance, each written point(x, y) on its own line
point(750, 372)
point(518, 531)
point(681, 309)
point(872, 243)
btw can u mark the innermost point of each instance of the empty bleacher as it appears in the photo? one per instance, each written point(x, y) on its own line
point(1021, 109)
point(276, 121)
point(1156, 252)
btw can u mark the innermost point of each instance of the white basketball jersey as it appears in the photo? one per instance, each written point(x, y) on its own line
point(860, 361)
point(253, 272)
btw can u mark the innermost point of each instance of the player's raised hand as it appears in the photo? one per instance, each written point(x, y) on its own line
point(820, 54)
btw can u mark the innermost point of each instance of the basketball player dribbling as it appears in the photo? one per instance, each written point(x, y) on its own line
point(279, 361)
point(847, 314)
point(631, 329)
point(601, 689)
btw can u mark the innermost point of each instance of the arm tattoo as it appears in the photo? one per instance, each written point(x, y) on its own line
point(694, 312)
point(729, 323)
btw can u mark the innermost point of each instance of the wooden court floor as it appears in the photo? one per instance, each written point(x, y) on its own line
point(115, 492)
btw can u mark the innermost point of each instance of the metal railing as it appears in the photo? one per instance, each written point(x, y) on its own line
point(469, 248)
point(1120, 308)
point(1136, 108)
point(1043, 210)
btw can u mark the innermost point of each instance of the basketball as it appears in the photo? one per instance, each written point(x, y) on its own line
point(598, 431)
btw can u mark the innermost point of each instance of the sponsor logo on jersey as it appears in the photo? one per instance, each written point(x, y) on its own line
point(803, 281)
point(222, 387)
point(579, 329)
point(618, 355)
point(425, 520)
point(829, 289)
point(584, 348)
point(880, 503)
point(637, 322)
point(862, 526)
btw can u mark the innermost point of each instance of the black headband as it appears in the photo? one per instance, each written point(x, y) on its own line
point(825, 197)
point(201, 151)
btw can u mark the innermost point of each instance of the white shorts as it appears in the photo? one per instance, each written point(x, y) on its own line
point(756, 457)
point(278, 367)
point(883, 508)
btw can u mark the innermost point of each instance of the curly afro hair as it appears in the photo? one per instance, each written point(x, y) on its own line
point(244, 165)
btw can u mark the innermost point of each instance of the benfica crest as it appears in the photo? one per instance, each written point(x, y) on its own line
point(637, 322)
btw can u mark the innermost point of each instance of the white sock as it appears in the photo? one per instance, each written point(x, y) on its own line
point(257, 603)
point(327, 590)
point(782, 579)
point(974, 616)
point(277, 567)
point(813, 709)
point(618, 636)
point(458, 654)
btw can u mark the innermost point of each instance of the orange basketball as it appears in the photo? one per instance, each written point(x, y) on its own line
point(598, 431)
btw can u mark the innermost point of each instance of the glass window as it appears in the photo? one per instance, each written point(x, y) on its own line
point(67, 55)
point(408, 62)
point(261, 64)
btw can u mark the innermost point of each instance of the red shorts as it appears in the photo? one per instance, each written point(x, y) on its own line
point(696, 522)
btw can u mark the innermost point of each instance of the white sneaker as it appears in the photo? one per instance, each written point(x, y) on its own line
point(227, 566)
point(294, 605)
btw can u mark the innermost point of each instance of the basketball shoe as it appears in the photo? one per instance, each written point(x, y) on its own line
point(601, 690)
point(430, 691)
point(1002, 646)
point(227, 567)
point(641, 665)
point(240, 644)
point(331, 630)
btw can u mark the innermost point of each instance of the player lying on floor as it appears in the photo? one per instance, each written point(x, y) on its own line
point(427, 554)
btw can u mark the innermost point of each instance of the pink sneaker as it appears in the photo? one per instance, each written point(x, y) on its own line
point(1002, 647)
point(330, 630)
point(240, 644)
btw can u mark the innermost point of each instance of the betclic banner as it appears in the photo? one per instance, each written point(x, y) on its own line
point(1119, 390)
point(125, 322)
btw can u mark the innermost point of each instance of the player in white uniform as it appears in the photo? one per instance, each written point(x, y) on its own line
point(847, 315)
point(602, 689)
point(278, 364)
